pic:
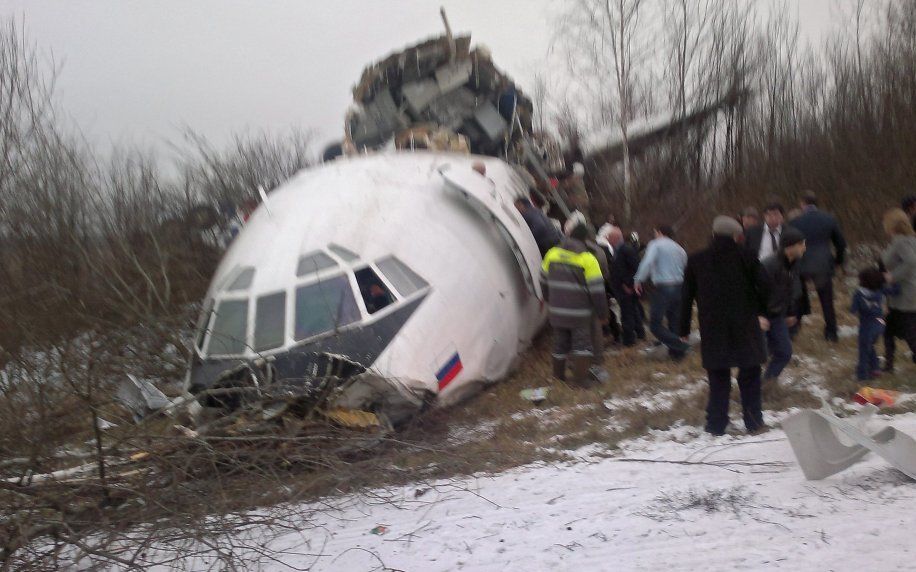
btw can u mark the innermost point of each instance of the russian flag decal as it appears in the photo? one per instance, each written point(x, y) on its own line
point(449, 371)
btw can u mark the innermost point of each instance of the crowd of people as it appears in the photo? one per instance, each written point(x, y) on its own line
point(750, 286)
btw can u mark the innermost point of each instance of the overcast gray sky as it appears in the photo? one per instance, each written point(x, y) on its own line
point(136, 72)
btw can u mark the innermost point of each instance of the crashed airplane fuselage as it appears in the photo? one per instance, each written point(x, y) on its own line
point(406, 277)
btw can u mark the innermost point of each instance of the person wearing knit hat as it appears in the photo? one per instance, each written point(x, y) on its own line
point(724, 225)
point(731, 291)
point(785, 297)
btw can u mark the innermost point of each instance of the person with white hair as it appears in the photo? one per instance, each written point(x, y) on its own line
point(732, 292)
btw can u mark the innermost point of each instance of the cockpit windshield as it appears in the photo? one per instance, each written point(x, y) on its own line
point(228, 333)
point(324, 306)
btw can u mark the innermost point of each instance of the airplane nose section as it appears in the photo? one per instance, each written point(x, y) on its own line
point(301, 369)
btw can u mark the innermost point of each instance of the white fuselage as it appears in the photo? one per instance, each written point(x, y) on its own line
point(454, 228)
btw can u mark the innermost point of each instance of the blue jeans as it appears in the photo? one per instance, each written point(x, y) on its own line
point(869, 332)
point(779, 345)
point(665, 304)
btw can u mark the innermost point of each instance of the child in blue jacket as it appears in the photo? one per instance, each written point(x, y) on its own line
point(868, 305)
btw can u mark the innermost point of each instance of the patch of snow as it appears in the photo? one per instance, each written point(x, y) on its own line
point(847, 331)
point(678, 499)
point(654, 401)
point(462, 434)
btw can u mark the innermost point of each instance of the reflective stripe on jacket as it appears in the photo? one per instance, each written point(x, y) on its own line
point(573, 286)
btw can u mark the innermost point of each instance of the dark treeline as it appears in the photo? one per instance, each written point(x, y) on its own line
point(87, 242)
point(837, 117)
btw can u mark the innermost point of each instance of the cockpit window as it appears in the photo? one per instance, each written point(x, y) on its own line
point(404, 280)
point(314, 263)
point(346, 255)
point(270, 321)
point(324, 306)
point(227, 336)
point(243, 280)
point(202, 323)
point(374, 292)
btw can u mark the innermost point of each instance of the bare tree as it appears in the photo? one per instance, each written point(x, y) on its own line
point(607, 47)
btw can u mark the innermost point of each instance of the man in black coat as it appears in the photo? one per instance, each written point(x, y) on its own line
point(731, 291)
point(821, 231)
point(623, 268)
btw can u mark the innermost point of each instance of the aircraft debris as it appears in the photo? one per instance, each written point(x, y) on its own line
point(876, 396)
point(440, 85)
point(141, 397)
point(535, 395)
point(813, 434)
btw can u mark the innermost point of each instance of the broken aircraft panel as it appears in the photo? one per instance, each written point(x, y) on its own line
point(437, 84)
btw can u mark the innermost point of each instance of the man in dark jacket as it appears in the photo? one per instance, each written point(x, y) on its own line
point(785, 296)
point(763, 240)
point(821, 230)
point(731, 291)
point(573, 288)
point(545, 233)
point(623, 269)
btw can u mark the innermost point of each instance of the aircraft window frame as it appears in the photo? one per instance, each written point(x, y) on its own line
point(345, 254)
point(213, 332)
point(203, 324)
point(390, 291)
point(315, 255)
point(273, 343)
point(243, 280)
point(357, 311)
point(400, 271)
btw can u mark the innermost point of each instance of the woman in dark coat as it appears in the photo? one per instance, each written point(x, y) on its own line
point(731, 290)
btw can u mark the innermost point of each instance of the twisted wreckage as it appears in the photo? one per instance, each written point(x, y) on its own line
point(400, 274)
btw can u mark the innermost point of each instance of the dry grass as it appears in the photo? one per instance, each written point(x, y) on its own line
point(572, 418)
point(493, 431)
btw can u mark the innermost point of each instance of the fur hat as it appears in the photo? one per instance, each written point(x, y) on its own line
point(724, 225)
point(576, 218)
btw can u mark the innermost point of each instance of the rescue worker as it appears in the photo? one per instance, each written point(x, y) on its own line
point(573, 288)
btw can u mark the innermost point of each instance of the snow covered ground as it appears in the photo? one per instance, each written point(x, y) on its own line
point(677, 499)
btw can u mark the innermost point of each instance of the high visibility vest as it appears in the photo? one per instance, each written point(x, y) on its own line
point(584, 260)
